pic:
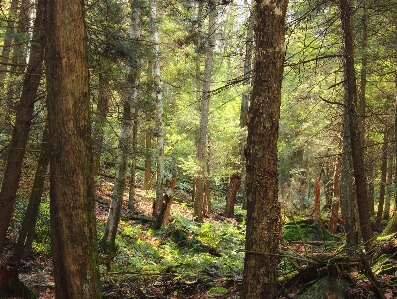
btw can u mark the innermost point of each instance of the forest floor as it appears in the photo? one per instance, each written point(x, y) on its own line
point(185, 260)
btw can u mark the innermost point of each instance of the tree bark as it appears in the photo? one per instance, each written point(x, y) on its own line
point(235, 182)
point(157, 208)
point(16, 152)
point(357, 142)
point(201, 175)
point(263, 209)
point(165, 209)
point(333, 220)
point(389, 179)
point(383, 177)
point(131, 194)
point(26, 233)
point(72, 188)
point(246, 94)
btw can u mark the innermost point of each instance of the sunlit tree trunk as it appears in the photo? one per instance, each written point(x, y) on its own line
point(21, 130)
point(260, 278)
point(159, 115)
point(201, 175)
point(125, 142)
point(72, 188)
point(335, 200)
point(131, 194)
point(357, 142)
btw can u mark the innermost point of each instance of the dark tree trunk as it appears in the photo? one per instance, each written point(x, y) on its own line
point(235, 182)
point(10, 285)
point(357, 142)
point(20, 134)
point(263, 209)
point(382, 188)
point(25, 237)
point(73, 227)
point(131, 193)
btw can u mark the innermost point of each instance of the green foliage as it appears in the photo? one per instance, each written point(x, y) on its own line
point(307, 232)
point(183, 247)
point(42, 241)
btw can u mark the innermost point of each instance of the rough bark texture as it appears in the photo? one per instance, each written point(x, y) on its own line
point(355, 125)
point(235, 182)
point(25, 238)
point(21, 130)
point(201, 176)
point(263, 209)
point(73, 227)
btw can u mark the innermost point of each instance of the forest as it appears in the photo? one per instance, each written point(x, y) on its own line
point(198, 149)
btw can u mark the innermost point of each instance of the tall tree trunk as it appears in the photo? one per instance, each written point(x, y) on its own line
point(72, 188)
point(20, 133)
point(355, 125)
point(389, 180)
point(159, 115)
point(125, 142)
point(131, 194)
point(246, 94)
point(263, 209)
point(333, 221)
point(148, 156)
point(25, 238)
point(100, 120)
point(201, 175)
point(348, 201)
point(382, 187)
